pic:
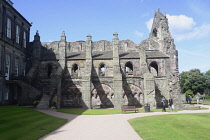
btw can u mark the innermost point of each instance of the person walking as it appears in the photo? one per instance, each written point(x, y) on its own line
point(190, 99)
point(187, 99)
point(163, 101)
point(170, 104)
point(197, 98)
point(203, 99)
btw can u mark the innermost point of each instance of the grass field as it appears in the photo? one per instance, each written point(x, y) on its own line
point(22, 123)
point(100, 111)
point(206, 102)
point(173, 127)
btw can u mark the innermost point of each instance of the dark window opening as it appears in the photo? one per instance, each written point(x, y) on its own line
point(102, 70)
point(129, 68)
point(155, 32)
point(75, 70)
point(154, 68)
point(49, 71)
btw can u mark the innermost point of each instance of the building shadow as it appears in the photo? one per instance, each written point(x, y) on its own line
point(102, 94)
point(50, 74)
point(158, 98)
point(130, 96)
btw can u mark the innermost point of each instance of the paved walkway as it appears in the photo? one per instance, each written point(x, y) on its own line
point(101, 127)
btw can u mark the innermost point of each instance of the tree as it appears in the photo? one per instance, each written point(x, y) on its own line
point(207, 73)
point(189, 92)
point(194, 80)
point(207, 90)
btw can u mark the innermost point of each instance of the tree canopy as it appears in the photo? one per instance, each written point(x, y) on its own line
point(195, 81)
point(207, 73)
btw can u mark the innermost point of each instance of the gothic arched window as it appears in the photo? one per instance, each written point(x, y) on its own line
point(129, 68)
point(49, 70)
point(154, 68)
point(154, 32)
point(75, 69)
point(102, 70)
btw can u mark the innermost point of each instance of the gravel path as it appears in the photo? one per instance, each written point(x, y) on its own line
point(101, 127)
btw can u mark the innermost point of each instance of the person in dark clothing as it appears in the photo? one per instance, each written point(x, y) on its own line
point(163, 101)
point(187, 99)
point(190, 99)
point(170, 104)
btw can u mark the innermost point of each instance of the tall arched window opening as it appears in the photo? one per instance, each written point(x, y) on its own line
point(155, 32)
point(154, 68)
point(129, 68)
point(102, 70)
point(75, 70)
point(49, 71)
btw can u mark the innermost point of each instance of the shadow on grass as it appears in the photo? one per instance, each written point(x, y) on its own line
point(17, 122)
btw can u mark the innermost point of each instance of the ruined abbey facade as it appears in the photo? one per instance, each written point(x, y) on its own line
point(100, 74)
point(110, 73)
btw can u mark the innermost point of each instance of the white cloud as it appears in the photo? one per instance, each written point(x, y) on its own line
point(149, 24)
point(139, 34)
point(183, 27)
point(195, 33)
point(180, 23)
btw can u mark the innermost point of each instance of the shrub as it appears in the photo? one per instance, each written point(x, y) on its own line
point(53, 104)
point(189, 92)
point(36, 103)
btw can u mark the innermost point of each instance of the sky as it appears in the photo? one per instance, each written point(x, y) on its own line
point(189, 23)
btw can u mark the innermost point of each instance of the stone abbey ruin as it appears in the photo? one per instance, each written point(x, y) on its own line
point(89, 74)
point(108, 73)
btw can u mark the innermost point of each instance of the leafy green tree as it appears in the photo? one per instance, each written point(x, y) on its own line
point(207, 90)
point(189, 92)
point(194, 80)
point(207, 73)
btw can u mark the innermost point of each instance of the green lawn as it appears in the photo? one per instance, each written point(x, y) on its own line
point(22, 123)
point(206, 102)
point(196, 108)
point(173, 127)
point(100, 111)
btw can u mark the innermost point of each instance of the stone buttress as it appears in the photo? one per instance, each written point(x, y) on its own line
point(117, 78)
point(86, 82)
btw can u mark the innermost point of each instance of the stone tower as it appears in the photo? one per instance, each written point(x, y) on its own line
point(160, 33)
